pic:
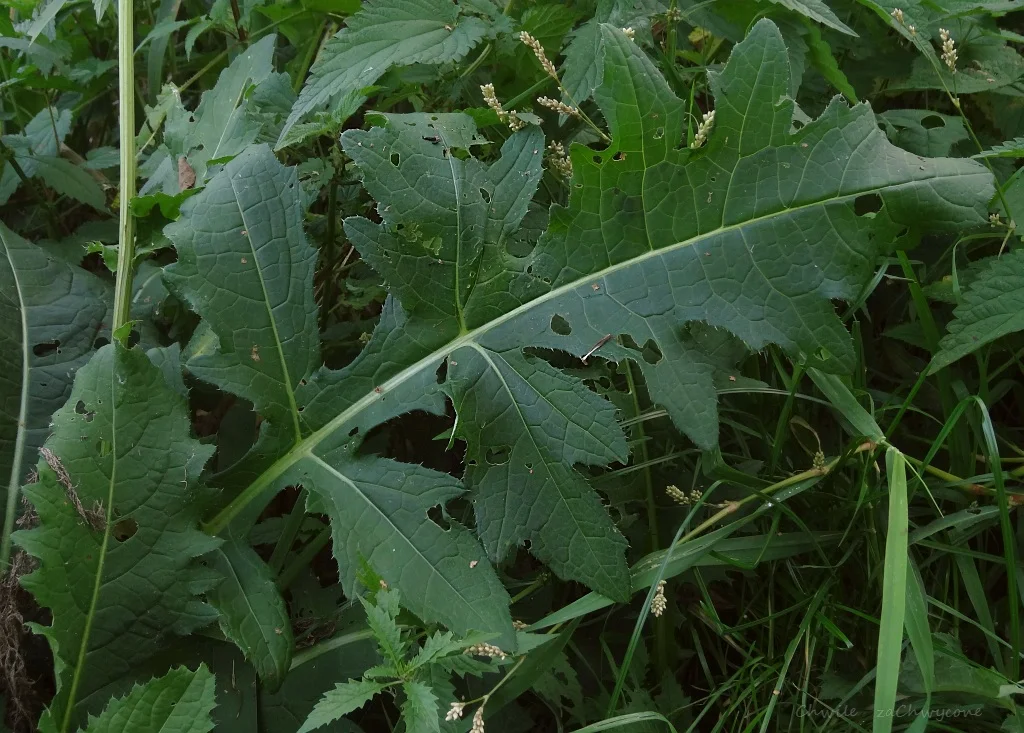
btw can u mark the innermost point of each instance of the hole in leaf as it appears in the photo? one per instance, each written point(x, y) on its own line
point(46, 348)
point(80, 408)
point(395, 159)
point(619, 156)
point(442, 372)
point(598, 159)
point(498, 456)
point(125, 529)
point(436, 515)
point(353, 432)
point(932, 121)
point(659, 133)
point(869, 203)
point(486, 195)
point(560, 326)
point(134, 338)
point(629, 343)
point(651, 353)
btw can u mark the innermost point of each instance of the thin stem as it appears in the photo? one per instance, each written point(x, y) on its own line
point(305, 556)
point(126, 109)
point(288, 534)
point(661, 633)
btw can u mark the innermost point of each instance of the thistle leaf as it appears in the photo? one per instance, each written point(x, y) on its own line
point(117, 533)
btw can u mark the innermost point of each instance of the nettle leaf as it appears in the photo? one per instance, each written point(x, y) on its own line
point(381, 35)
point(245, 266)
point(419, 709)
point(346, 697)
point(179, 702)
point(992, 307)
point(56, 314)
point(117, 536)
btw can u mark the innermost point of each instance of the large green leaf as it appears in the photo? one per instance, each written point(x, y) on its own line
point(385, 33)
point(178, 702)
point(753, 233)
point(246, 267)
point(54, 315)
point(252, 612)
point(992, 307)
point(117, 532)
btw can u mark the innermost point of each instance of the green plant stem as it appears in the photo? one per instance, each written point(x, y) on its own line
point(307, 60)
point(661, 630)
point(126, 110)
point(305, 556)
point(288, 534)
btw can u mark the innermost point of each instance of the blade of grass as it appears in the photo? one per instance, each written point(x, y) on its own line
point(894, 594)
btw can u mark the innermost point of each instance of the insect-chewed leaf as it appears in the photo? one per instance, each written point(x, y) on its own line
point(754, 232)
point(117, 536)
point(55, 313)
point(246, 267)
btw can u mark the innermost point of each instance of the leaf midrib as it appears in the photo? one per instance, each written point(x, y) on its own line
point(286, 377)
point(306, 446)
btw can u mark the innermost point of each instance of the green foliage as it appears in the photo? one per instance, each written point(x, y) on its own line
point(116, 541)
point(178, 702)
point(457, 325)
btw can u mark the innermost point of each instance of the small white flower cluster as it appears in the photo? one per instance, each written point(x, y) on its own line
point(478, 721)
point(898, 15)
point(677, 495)
point(485, 650)
point(559, 160)
point(658, 603)
point(538, 51)
point(949, 55)
point(629, 33)
point(455, 712)
point(703, 129)
point(560, 107)
point(511, 118)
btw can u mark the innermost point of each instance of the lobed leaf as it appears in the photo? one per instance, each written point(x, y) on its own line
point(754, 233)
point(247, 269)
